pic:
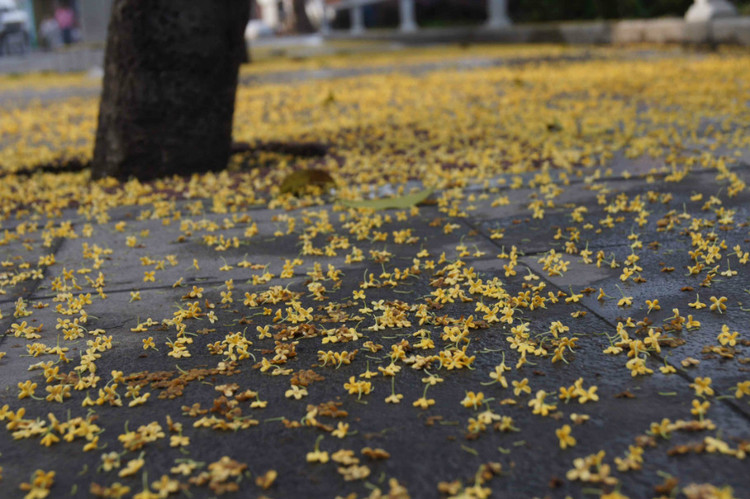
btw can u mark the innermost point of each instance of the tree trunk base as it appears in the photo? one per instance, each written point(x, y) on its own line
point(170, 80)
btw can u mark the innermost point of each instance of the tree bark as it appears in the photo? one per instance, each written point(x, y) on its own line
point(170, 79)
point(302, 22)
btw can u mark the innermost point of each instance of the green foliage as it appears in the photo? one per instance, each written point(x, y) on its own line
point(401, 203)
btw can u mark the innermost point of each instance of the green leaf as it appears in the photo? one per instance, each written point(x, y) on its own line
point(401, 202)
point(296, 182)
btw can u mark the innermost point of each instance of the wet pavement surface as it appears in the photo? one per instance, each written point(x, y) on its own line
point(280, 352)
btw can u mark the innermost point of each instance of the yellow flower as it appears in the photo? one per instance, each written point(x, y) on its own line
point(432, 380)
point(520, 387)
point(699, 408)
point(263, 332)
point(423, 402)
point(178, 441)
point(557, 327)
point(702, 386)
point(498, 376)
point(697, 304)
point(587, 395)
point(667, 369)
point(637, 366)
point(653, 305)
point(265, 480)
point(394, 398)
point(133, 466)
point(579, 418)
point(563, 434)
point(567, 393)
point(653, 340)
point(317, 455)
point(49, 439)
point(295, 392)
point(718, 304)
point(743, 388)
point(27, 389)
point(165, 486)
point(538, 405)
point(473, 400)
point(692, 323)
point(40, 484)
point(614, 495)
point(358, 387)
point(727, 338)
point(110, 461)
point(341, 430)
point(625, 301)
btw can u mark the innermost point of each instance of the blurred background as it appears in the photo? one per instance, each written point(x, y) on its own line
point(27, 25)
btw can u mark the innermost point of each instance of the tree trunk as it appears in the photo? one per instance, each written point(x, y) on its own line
point(302, 22)
point(170, 80)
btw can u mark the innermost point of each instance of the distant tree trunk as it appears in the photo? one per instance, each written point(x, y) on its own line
point(170, 79)
point(302, 22)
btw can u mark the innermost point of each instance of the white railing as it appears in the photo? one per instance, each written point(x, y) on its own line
point(707, 10)
point(497, 15)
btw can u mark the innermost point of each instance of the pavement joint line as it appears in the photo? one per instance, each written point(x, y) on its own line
point(684, 376)
point(680, 372)
point(541, 252)
point(119, 290)
point(484, 62)
point(602, 247)
point(129, 216)
point(5, 325)
point(575, 181)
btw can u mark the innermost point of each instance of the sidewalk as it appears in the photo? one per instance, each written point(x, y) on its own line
point(521, 333)
point(74, 59)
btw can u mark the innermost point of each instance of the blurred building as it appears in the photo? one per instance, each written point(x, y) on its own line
point(92, 16)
